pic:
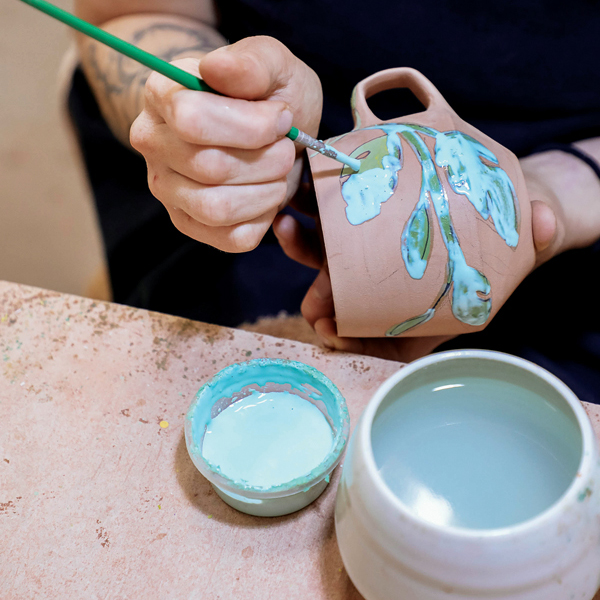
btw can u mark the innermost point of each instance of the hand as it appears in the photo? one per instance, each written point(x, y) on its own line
point(221, 164)
point(565, 214)
point(565, 195)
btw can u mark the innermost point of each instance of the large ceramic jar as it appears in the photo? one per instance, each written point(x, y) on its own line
point(390, 552)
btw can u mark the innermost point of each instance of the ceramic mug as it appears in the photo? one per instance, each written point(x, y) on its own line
point(471, 475)
point(433, 233)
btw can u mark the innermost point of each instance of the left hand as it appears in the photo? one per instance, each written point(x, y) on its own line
point(558, 224)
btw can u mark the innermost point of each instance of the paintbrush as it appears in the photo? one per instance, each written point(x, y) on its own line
point(172, 72)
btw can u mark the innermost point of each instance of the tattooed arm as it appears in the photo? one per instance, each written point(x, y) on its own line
point(220, 164)
point(117, 81)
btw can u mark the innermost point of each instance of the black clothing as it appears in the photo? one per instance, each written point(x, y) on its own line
point(524, 72)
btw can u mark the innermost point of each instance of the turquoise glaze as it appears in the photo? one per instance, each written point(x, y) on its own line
point(487, 187)
point(366, 191)
point(276, 453)
point(267, 439)
point(340, 156)
point(475, 452)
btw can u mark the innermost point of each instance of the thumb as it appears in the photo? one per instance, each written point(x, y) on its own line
point(254, 68)
point(547, 234)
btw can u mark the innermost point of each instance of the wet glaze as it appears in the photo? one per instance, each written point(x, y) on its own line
point(365, 191)
point(267, 439)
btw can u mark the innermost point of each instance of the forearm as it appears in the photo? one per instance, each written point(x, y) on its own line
point(118, 82)
point(572, 189)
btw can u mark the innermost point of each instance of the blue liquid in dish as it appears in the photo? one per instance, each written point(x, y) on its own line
point(474, 453)
point(267, 439)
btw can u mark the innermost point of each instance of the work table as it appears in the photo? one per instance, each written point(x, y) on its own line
point(98, 497)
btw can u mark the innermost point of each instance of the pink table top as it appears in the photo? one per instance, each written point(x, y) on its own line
point(97, 500)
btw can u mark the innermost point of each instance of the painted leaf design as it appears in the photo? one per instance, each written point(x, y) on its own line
point(416, 242)
point(470, 300)
point(410, 323)
point(473, 171)
point(365, 191)
point(488, 188)
point(371, 155)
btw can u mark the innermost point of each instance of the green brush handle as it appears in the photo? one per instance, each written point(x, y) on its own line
point(149, 60)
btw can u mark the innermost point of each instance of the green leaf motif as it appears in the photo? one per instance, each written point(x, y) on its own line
point(471, 303)
point(488, 188)
point(416, 242)
point(366, 190)
point(472, 170)
point(410, 323)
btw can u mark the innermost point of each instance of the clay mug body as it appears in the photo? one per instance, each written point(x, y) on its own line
point(429, 529)
point(433, 234)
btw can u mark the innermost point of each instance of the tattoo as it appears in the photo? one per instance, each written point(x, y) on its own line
point(121, 78)
point(198, 41)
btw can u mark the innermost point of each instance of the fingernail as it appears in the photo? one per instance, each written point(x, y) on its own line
point(285, 122)
point(322, 286)
point(325, 339)
point(326, 343)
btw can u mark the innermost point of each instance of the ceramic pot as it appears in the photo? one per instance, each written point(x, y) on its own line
point(433, 234)
point(417, 549)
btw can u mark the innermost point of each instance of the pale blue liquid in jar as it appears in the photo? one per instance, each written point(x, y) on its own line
point(267, 439)
point(475, 453)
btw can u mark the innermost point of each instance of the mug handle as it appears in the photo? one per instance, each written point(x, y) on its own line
point(400, 77)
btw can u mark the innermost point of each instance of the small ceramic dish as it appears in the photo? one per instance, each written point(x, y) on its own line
point(471, 475)
point(266, 376)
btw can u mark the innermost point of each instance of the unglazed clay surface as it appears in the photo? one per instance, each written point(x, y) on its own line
point(390, 275)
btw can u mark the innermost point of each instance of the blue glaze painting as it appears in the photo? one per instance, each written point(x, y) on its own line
point(471, 170)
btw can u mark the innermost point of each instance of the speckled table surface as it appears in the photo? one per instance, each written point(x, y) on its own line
point(97, 500)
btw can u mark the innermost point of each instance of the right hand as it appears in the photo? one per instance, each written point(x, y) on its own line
point(221, 164)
